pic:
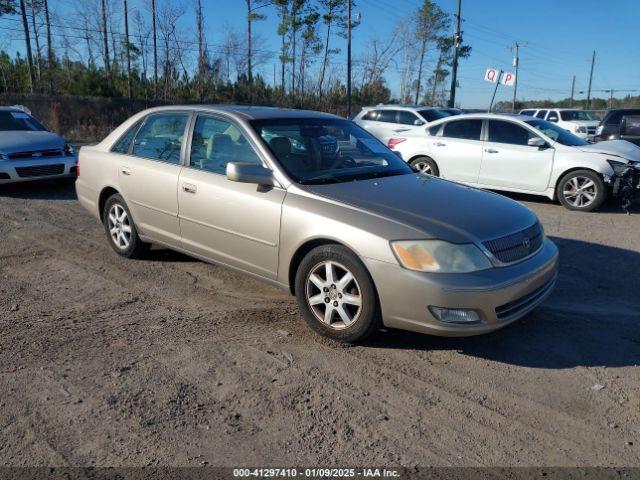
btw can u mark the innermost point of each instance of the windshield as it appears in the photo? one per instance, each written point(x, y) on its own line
point(319, 150)
point(570, 115)
point(431, 114)
point(557, 133)
point(12, 121)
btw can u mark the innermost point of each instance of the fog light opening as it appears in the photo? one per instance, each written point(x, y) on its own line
point(455, 315)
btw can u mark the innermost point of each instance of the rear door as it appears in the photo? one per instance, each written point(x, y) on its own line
point(508, 161)
point(458, 150)
point(148, 175)
point(234, 223)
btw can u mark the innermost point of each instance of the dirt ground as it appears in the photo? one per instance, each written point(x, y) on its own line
point(171, 361)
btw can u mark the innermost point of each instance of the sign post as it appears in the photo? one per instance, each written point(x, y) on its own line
point(498, 77)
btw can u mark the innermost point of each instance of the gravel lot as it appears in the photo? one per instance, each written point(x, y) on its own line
point(171, 361)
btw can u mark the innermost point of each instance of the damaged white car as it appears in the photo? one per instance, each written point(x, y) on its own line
point(523, 154)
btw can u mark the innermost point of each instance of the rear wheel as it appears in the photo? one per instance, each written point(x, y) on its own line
point(582, 190)
point(120, 229)
point(336, 294)
point(425, 165)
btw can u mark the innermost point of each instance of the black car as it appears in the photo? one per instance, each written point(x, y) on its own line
point(620, 124)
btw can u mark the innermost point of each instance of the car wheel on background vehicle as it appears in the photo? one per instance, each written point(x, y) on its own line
point(336, 294)
point(120, 229)
point(425, 165)
point(582, 190)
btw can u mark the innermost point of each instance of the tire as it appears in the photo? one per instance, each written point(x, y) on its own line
point(582, 190)
point(313, 285)
point(121, 230)
point(425, 165)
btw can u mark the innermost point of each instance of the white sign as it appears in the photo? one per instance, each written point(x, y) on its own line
point(491, 75)
point(508, 79)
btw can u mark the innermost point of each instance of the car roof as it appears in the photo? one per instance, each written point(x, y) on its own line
point(250, 112)
point(486, 115)
point(10, 109)
point(394, 106)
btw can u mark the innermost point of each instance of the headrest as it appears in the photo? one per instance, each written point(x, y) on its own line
point(281, 146)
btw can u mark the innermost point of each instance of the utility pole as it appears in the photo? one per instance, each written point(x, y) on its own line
point(454, 68)
point(516, 62)
point(495, 90)
point(349, 58)
point(593, 61)
point(128, 48)
point(573, 88)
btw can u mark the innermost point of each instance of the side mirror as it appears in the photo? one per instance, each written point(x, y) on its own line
point(536, 142)
point(552, 119)
point(417, 122)
point(245, 172)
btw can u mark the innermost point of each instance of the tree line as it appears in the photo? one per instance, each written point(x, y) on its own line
point(151, 51)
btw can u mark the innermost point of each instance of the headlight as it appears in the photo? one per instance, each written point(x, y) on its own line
point(579, 129)
point(599, 129)
point(4, 156)
point(439, 256)
point(68, 150)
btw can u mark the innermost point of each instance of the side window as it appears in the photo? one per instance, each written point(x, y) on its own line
point(614, 119)
point(466, 129)
point(217, 142)
point(507, 132)
point(433, 131)
point(407, 118)
point(123, 143)
point(161, 137)
point(541, 113)
point(527, 112)
point(387, 116)
point(371, 115)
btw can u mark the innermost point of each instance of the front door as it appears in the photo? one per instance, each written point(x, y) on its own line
point(234, 223)
point(508, 160)
point(148, 175)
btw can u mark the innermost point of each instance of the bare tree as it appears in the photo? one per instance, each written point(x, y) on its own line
point(155, 48)
point(127, 46)
point(431, 20)
point(105, 40)
point(49, 46)
point(253, 16)
point(332, 13)
point(35, 7)
point(407, 56)
point(201, 50)
point(27, 39)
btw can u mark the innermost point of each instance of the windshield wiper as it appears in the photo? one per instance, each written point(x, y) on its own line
point(321, 179)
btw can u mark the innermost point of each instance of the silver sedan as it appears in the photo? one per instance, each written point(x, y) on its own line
point(314, 204)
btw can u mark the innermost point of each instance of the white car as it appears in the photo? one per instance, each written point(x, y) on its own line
point(580, 123)
point(388, 121)
point(518, 153)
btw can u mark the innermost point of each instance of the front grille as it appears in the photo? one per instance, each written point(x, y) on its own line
point(36, 154)
point(40, 170)
point(516, 246)
point(523, 304)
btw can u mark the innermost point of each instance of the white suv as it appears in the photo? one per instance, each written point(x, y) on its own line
point(388, 121)
point(579, 122)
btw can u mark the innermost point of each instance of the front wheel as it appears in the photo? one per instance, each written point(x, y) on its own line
point(582, 190)
point(336, 294)
point(425, 165)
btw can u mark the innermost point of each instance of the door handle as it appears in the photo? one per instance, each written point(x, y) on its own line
point(189, 188)
point(491, 150)
point(440, 144)
point(125, 171)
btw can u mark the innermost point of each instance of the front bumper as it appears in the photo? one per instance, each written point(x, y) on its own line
point(38, 169)
point(500, 296)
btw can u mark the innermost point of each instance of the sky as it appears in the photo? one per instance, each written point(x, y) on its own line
point(557, 38)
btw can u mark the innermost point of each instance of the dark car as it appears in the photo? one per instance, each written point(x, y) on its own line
point(620, 124)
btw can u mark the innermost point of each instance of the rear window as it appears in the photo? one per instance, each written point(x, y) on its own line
point(19, 121)
point(528, 112)
point(407, 118)
point(387, 116)
point(465, 129)
point(370, 115)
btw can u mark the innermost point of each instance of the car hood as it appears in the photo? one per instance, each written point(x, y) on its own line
point(584, 123)
point(614, 148)
point(439, 208)
point(29, 141)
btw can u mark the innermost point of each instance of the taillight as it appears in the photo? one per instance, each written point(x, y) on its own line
point(394, 141)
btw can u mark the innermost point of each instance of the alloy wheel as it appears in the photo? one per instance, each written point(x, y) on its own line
point(334, 295)
point(423, 167)
point(119, 226)
point(580, 191)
